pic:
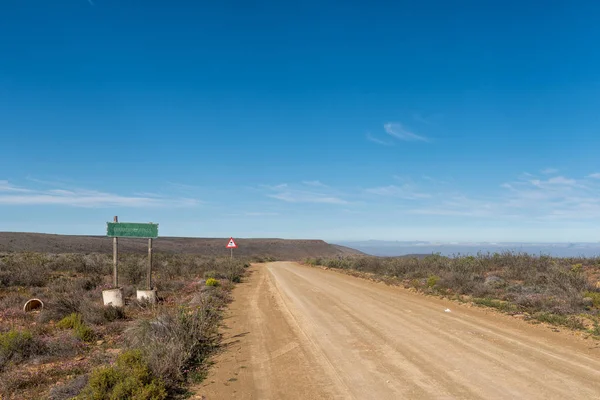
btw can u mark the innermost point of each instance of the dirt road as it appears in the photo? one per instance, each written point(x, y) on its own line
point(298, 332)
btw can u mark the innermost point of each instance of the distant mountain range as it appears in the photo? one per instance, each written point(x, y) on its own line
point(280, 249)
point(399, 248)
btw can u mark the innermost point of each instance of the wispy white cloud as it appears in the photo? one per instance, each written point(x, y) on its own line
point(526, 175)
point(595, 175)
point(299, 194)
point(314, 183)
point(528, 198)
point(403, 192)
point(398, 131)
point(381, 142)
point(19, 196)
point(561, 180)
point(549, 171)
point(436, 181)
point(261, 214)
point(184, 188)
point(281, 186)
point(306, 197)
point(556, 183)
point(47, 182)
point(427, 120)
point(148, 194)
point(5, 186)
point(251, 214)
point(449, 212)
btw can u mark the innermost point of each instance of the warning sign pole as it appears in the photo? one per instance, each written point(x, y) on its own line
point(231, 245)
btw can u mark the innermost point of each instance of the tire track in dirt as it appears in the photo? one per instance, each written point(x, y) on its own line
point(457, 342)
point(320, 334)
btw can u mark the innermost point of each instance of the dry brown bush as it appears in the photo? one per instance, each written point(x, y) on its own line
point(532, 283)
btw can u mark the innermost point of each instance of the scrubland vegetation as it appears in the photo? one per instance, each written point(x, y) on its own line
point(77, 348)
point(559, 291)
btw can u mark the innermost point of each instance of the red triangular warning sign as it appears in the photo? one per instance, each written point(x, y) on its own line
point(231, 244)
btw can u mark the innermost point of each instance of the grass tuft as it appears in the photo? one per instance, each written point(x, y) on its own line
point(564, 320)
point(494, 303)
point(595, 296)
point(80, 329)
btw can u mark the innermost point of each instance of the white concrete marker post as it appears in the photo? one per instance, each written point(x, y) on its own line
point(113, 297)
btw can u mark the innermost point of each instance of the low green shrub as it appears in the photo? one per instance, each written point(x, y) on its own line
point(70, 321)
point(17, 346)
point(564, 320)
point(129, 378)
point(85, 333)
point(595, 296)
point(13, 340)
point(432, 281)
point(494, 303)
point(80, 330)
point(310, 261)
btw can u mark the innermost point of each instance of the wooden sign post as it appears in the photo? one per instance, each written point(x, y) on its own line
point(149, 275)
point(148, 231)
point(115, 258)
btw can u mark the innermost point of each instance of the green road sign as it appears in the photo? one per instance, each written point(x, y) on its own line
point(130, 229)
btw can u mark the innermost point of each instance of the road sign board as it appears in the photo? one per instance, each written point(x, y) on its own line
point(231, 244)
point(131, 229)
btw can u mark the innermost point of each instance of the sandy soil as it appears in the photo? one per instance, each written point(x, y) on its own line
point(297, 332)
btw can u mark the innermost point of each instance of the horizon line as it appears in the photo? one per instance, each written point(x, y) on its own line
point(335, 241)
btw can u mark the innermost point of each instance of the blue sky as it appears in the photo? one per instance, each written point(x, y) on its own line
point(340, 120)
